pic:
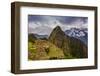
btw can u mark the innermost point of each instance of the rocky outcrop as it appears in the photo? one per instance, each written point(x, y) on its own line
point(70, 46)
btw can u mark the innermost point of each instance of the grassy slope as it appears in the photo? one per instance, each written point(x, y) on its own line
point(44, 50)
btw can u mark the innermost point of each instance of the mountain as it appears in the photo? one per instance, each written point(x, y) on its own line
point(40, 30)
point(41, 36)
point(80, 34)
point(71, 46)
point(31, 37)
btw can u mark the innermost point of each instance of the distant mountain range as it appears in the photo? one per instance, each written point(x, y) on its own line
point(58, 45)
point(70, 45)
point(81, 34)
point(41, 36)
point(44, 32)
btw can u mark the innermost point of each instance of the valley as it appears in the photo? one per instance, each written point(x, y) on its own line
point(57, 46)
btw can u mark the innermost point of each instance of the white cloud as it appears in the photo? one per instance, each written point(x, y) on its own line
point(53, 22)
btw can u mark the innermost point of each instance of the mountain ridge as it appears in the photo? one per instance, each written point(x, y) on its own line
point(80, 34)
point(70, 45)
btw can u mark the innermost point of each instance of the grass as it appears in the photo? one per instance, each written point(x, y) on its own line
point(44, 50)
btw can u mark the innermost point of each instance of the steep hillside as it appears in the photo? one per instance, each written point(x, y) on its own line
point(44, 50)
point(70, 46)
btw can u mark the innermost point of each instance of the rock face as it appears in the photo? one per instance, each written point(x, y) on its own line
point(70, 46)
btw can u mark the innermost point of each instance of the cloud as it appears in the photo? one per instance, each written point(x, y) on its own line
point(65, 22)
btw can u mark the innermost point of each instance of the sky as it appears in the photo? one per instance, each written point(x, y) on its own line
point(65, 22)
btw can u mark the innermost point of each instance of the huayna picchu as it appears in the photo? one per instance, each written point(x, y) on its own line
point(57, 46)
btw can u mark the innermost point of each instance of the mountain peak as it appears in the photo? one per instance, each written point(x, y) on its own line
point(69, 45)
point(57, 31)
point(57, 36)
point(57, 28)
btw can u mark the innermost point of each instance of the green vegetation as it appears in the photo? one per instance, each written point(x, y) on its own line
point(72, 47)
point(42, 49)
point(57, 46)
